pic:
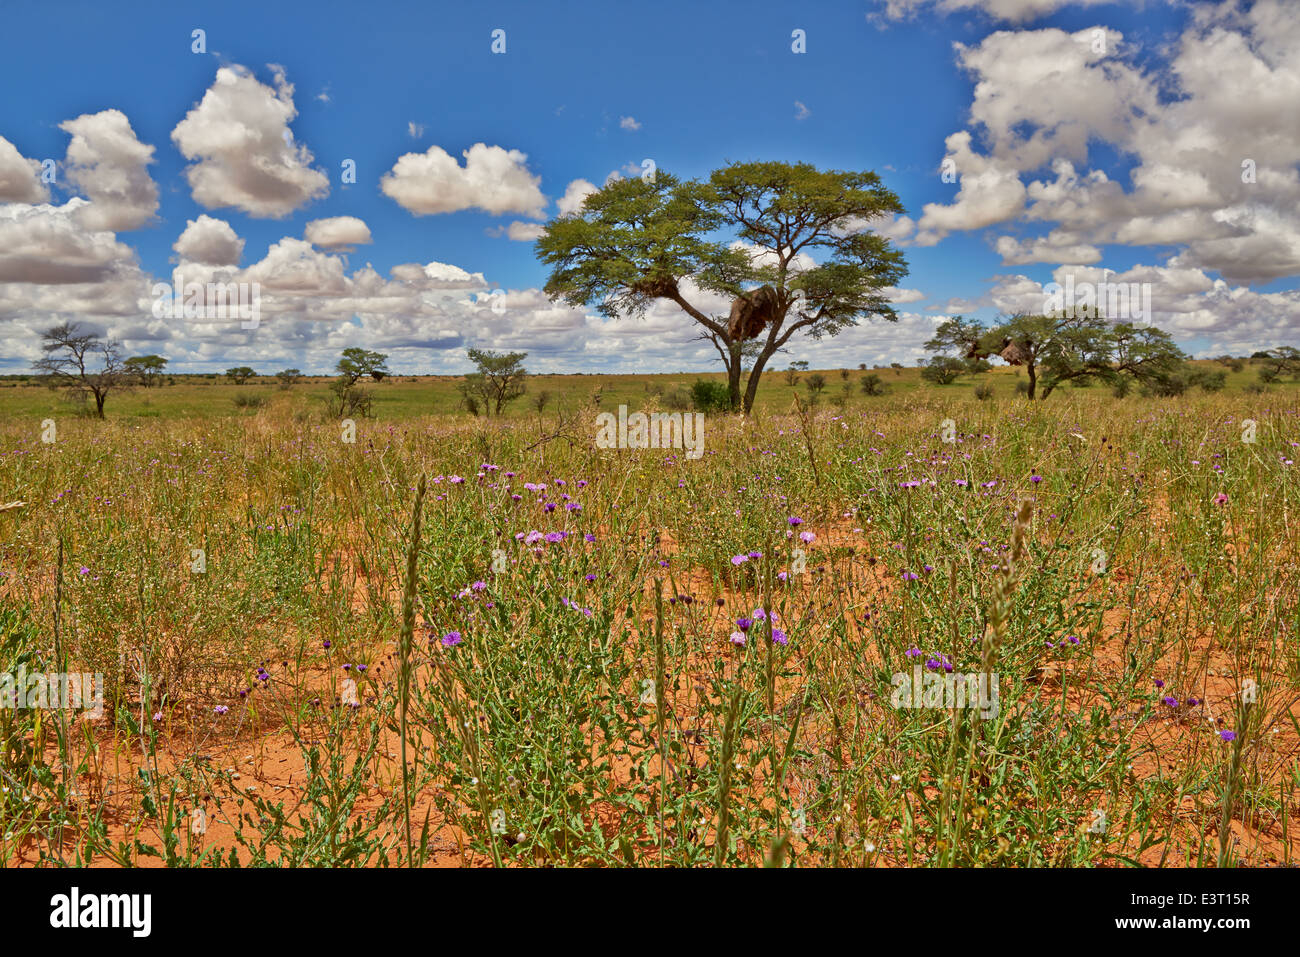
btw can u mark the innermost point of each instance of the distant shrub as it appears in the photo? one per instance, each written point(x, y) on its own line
point(1209, 381)
point(247, 400)
point(983, 391)
point(872, 384)
point(707, 396)
point(346, 399)
point(1168, 386)
point(943, 370)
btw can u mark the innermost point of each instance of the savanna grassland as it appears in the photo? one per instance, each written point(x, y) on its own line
point(557, 654)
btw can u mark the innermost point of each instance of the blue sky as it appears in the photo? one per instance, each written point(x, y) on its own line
point(584, 90)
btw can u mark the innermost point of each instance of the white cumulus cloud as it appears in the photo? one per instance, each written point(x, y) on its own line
point(493, 179)
point(243, 151)
point(211, 241)
point(337, 231)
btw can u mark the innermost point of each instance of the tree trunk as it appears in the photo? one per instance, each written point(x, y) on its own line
point(751, 387)
point(733, 375)
point(1033, 378)
point(99, 403)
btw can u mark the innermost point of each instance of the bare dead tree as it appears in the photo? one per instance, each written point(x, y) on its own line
point(82, 362)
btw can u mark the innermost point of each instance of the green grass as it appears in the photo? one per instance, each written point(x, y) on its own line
point(405, 397)
point(541, 720)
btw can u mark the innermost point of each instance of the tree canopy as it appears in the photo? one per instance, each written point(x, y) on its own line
point(791, 229)
point(498, 379)
point(146, 369)
point(358, 363)
point(1058, 349)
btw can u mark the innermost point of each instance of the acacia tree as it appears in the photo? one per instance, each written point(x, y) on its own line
point(147, 369)
point(498, 378)
point(82, 362)
point(358, 363)
point(355, 364)
point(1058, 349)
point(1022, 340)
point(1276, 363)
point(240, 374)
point(1149, 355)
point(749, 232)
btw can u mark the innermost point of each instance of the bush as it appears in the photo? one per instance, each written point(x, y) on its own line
point(249, 401)
point(943, 370)
point(983, 391)
point(872, 384)
point(347, 400)
point(1167, 386)
point(1209, 381)
point(709, 396)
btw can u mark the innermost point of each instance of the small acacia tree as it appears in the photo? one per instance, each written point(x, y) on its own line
point(147, 370)
point(1276, 363)
point(354, 365)
point(943, 370)
point(498, 379)
point(1058, 349)
point(358, 363)
point(786, 242)
point(240, 374)
point(82, 362)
